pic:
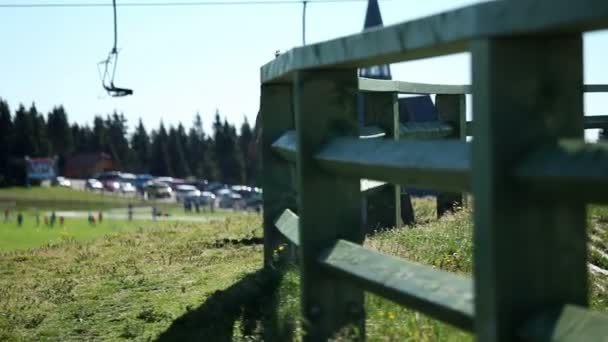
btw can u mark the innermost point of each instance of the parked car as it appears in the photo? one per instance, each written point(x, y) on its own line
point(62, 181)
point(111, 185)
point(127, 188)
point(158, 190)
point(186, 192)
point(255, 201)
point(207, 198)
point(93, 184)
point(231, 201)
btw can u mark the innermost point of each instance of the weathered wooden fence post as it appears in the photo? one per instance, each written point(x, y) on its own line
point(451, 109)
point(276, 110)
point(329, 207)
point(383, 205)
point(530, 252)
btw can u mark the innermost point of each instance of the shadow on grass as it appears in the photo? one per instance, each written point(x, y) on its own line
point(252, 302)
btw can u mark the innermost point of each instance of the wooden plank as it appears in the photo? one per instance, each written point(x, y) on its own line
point(329, 207)
point(452, 109)
point(439, 294)
point(590, 122)
point(530, 251)
point(279, 193)
point(596, 121)
point(375, 85)
point(286, 146)
point(572, 323)
point(426, 130)
point(595, 88)
point(441, 34)
point(287, 224)
point(382, 208)
point(568, 169)
point(371, 132)
point(435, 164)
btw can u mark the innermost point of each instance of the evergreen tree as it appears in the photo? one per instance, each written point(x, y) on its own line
point(25, 141)
point(194, 147)
point(160, 162)
point(43, 146)
point(227, 152)
point(140, 143)
point(59, 132)
point(116, 143)
point(176, 152)
point(98, 137)
point(6, 144)
point(246, 144)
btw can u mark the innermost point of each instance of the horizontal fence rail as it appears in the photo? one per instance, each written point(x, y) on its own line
point(528, 167)
point(439, 294)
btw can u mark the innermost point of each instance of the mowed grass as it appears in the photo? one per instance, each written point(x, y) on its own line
point(30, 234)
point(133, 285)
point(176, 282)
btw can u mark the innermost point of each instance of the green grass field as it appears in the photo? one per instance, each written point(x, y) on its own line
point(60, 198)
point(14, 237)
point(202, 281)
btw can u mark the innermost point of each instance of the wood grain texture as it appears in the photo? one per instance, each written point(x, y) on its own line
point(438, 164)
point(330, 207)
point(452, 109)
point(279, 192)
point(288, 225)
point(570, 323)
point(569, 169)
point(526, 97)
point(400, 87)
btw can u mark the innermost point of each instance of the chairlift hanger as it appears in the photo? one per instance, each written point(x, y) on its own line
point(107, 80)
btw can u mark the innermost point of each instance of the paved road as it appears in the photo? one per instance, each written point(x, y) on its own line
point(139, 214)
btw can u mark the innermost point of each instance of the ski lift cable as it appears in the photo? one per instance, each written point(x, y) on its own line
point(174, 4)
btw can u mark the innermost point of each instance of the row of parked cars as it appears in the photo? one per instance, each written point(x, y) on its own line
point(199, 192)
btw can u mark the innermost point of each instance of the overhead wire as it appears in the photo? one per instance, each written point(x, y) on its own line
point(173, 4)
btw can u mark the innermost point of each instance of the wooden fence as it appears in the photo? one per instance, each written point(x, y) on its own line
point(529, 170)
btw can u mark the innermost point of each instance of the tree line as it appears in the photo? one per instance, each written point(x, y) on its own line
point(225, 155)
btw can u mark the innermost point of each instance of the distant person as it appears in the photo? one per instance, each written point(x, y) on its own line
point(37, 218)
point(53, 218)
point(90, 218)
point(197, 206)
point(7, 212)
point(61, 220)
point(130, 212)
point(19, 219)
point(100, 217)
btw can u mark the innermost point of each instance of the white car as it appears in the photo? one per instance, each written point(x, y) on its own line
point(187, 192)
point(127, 187)
point(62, 181)
point(93, 185)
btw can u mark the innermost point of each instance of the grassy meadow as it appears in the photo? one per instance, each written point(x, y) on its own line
point(178, 281)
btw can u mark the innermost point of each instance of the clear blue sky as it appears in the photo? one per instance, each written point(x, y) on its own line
point(188, 59)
